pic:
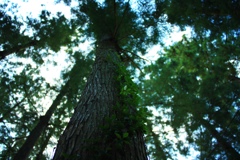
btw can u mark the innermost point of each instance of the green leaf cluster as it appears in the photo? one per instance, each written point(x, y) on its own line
point(215, 16)
point(197, 81)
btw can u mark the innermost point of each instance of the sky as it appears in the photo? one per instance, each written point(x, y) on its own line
point(34, 7)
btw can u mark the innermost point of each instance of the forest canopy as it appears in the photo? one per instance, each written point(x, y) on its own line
point(78, 82)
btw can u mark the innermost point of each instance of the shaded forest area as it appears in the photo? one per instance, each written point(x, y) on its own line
point(110, 101)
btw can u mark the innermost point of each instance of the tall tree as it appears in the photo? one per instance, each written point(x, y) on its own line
point(107, 124)
point(66, 98)
point(22, 87)
point(27, 39)
point(212, 54)
point(19, 108)
point(44, 121)
point(199, 83)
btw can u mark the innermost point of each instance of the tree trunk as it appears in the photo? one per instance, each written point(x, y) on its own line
point(221, 140)
point(228, 148)
point(26, 148)
point(159, 150)
point(94, 131)
point(46, 139)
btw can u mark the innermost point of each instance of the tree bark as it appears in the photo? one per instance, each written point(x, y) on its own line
point(91, 133)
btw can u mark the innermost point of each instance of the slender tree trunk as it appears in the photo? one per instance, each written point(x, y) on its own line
point(26, 148)
point(46, 139)
point(7, 113)
point(221, 140)
point(92, 131)
point(159, 151)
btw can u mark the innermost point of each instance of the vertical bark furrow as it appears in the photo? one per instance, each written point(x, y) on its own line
point(90, 133)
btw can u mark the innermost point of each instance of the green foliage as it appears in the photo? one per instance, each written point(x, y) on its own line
point(197, 81)
point(132, 31)
point(10, 29)
point(20, 94)
point(127, 118)
point(129, 101)
point(215, 16)
point(54, 32)
point(33, 37)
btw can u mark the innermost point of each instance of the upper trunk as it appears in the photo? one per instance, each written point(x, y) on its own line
point(96, 129)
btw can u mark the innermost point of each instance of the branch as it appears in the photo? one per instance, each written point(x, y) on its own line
point(118, 26)
point(135, 55)
point(18, 48)
point(115, 12)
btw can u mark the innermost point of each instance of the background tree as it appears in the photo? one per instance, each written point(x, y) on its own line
point(199, 84)
point(37, 35)
point(215, 16)
point(211, 53)
point(23, 89)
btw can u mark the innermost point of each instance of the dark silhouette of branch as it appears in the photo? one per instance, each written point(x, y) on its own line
point(18, 48)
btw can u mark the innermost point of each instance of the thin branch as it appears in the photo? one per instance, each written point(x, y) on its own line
point(135, 55)
point(118, 26)
point(235, 115)
point(115, 12)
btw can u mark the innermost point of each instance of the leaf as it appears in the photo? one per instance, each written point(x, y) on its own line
point(125, 135)
point(118, 136)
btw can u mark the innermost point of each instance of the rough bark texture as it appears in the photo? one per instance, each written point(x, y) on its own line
point(89, 135)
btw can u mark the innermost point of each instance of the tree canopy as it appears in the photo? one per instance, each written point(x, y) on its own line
point(186, 102)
